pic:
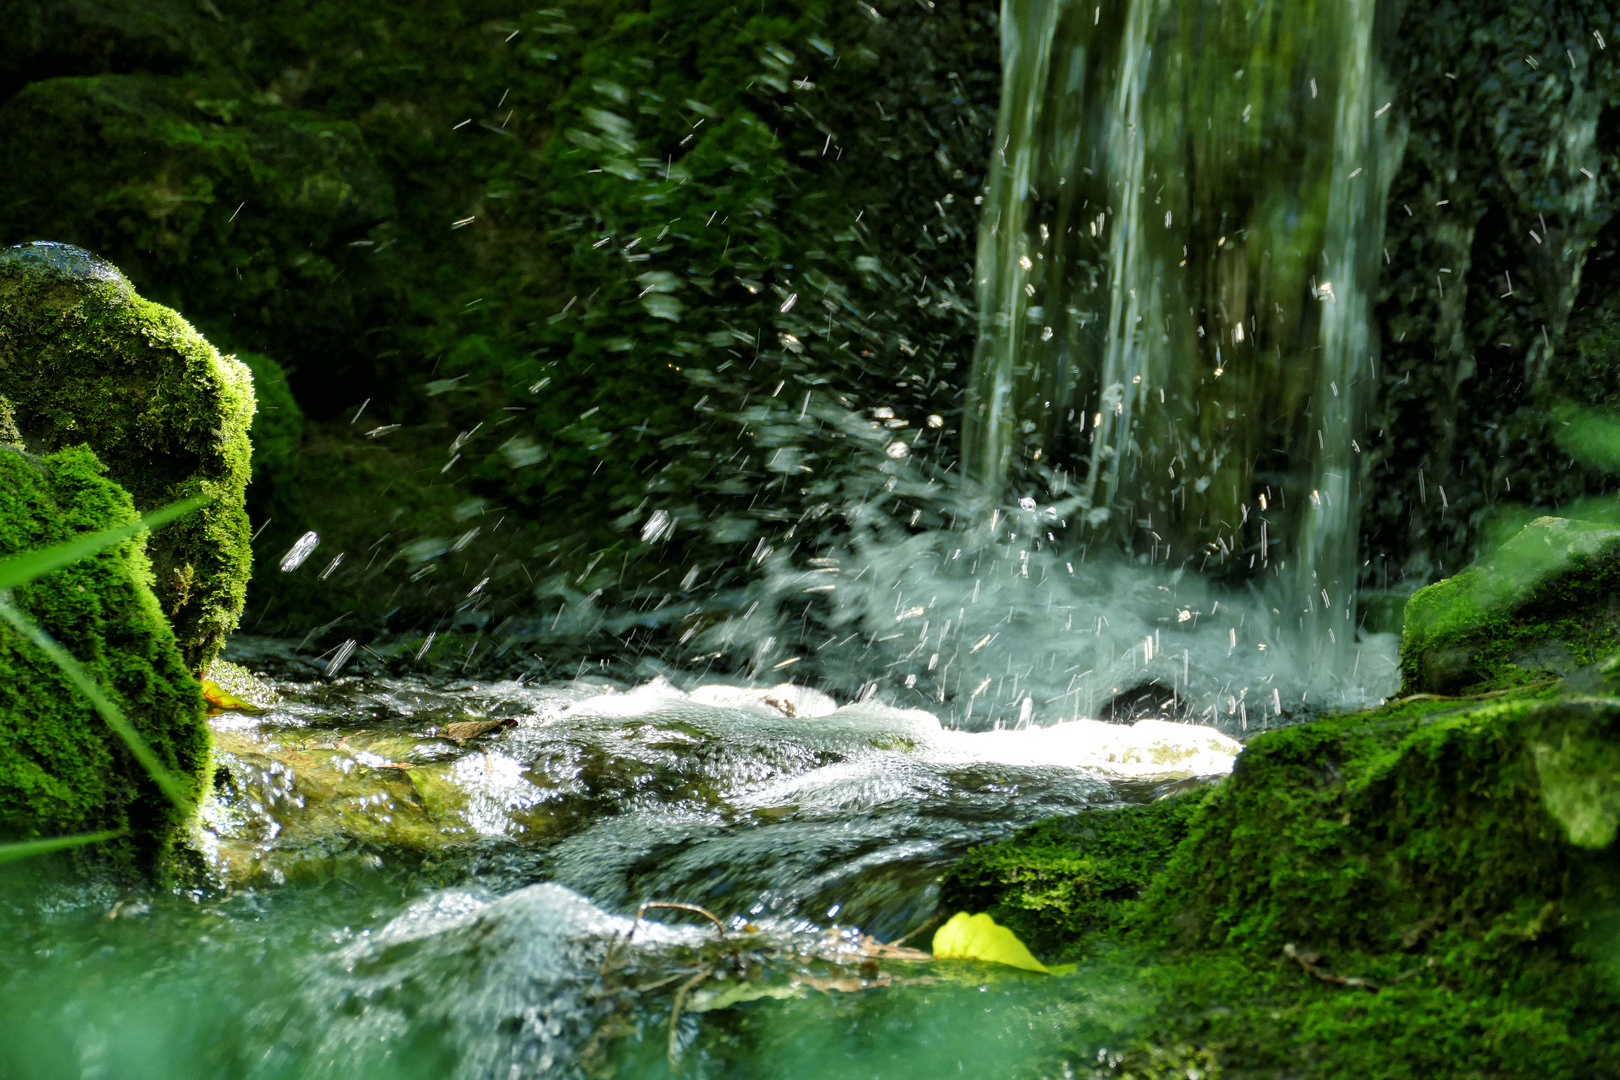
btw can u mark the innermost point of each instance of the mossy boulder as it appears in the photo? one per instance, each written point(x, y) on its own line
point(84, 360)
point(1457, 859)
point(1064, 880)
point(62, 771)
point(1544, 604)
point(278, 422)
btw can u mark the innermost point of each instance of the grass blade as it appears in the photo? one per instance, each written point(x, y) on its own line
point(172, 786)
point(21, 569)
point(28, 848)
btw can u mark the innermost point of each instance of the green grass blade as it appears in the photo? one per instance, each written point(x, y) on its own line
point(28, 848)
point(21, 569)
point(172, 786)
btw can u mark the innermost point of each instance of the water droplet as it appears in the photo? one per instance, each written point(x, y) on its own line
point(299, 552)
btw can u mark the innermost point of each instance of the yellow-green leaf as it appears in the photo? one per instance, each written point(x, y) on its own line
point(979, 937)
point(219, 700)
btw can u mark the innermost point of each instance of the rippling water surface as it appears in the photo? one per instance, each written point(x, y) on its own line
point(443, 879)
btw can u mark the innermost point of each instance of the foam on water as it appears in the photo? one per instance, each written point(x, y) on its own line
point(1003, 623)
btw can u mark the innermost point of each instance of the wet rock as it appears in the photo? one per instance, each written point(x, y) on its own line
point(85, 360)
point(1543, 605)
point(62, 771)
point(89, 37)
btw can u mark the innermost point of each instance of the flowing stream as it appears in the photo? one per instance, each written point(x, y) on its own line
point(441, 879)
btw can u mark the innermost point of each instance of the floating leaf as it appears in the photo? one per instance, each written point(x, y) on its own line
point(979, 937)
point(219, 700)
point(468, 729)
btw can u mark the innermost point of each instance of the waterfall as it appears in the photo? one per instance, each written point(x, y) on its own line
point(1180, 238)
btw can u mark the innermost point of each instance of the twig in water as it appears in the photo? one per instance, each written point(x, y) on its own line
point(695, 909)
point(913, 933)
point(675, 1011)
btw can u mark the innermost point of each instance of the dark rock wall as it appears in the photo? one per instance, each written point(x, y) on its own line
point(1501, 285)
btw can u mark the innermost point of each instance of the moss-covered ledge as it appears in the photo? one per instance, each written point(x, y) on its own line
point(84, 360)
point(62, 771)
point(1543, 605)
point(1429, 889)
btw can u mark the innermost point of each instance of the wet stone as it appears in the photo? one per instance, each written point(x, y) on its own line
point(656, 793)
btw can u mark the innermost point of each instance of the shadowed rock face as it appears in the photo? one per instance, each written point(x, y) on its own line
point(85, 360)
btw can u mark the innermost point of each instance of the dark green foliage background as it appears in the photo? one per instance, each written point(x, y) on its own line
point(463, 220)
point(449, 214)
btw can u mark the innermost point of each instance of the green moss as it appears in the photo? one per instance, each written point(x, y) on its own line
point(278, 422)
point(84, 360)
point(1458, 854)
point(1231, 1016)
point(1541, 604)
point(61, 770)
point(1063, 880)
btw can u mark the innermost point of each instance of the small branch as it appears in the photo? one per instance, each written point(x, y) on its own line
point(1476, 697)
point(902, 940)
point(695, 909)
point(1308, 962)
point(1403, 976)
point(675, 1012)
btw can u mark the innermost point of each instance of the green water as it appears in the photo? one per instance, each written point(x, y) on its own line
point(285, 985)
point(386, 900)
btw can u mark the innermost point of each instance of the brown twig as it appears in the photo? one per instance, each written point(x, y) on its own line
point(695, 909)
point(913, 933)
point(1308, 962)
point(675, 1011)
point(1475, 697)
point(1403, 976)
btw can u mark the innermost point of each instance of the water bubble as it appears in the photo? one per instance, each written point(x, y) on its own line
point(299, 552)
point(897, 450)
point(1026, 503)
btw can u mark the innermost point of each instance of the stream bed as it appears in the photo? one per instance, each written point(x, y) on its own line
point(418, 877)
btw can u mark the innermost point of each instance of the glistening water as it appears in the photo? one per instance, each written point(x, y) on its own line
point(1154, 518)
point(409, 897)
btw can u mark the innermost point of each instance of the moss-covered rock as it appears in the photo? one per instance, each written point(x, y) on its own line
point(1545, 604)
point(1065, 879)
point(1456, 858)
point(83, 359)
point(278, 422)
point(62, 771)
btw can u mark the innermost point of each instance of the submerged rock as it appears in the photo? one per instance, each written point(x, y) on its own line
point(1542, 606)
point(84, 360)
point(62, 771)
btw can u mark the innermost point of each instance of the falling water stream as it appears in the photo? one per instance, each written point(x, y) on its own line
point(426, 877)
